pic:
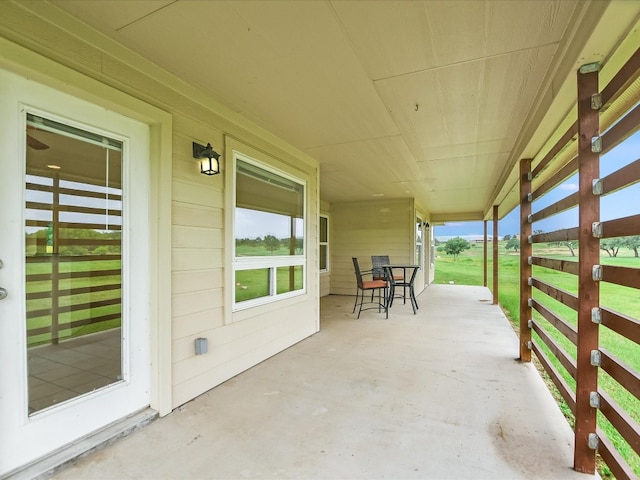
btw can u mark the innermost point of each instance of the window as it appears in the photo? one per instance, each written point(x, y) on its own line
point(269, 253)
point(419, 242)
point(324, 243)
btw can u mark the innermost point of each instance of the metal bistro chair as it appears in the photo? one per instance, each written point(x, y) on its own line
point(379, 273)
point(373, 285)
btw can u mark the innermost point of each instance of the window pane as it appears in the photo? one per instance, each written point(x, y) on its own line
point(289, 279)
point(323, 229)
point(418, 241)
point(269, 215)
point(252, 284)
point(73, 238)
point(323, 257)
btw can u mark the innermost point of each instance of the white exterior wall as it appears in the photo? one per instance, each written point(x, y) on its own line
point(193, 278)
point(362, 229)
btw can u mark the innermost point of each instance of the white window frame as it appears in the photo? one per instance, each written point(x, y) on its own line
point(271, 262)
point(326, 244)
point(419, 245)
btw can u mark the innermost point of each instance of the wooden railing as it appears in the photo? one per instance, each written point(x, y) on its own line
point(568, 344)
point(73, 267)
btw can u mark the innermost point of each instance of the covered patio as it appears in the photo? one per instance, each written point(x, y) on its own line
point(365, 124)
point(435, 395)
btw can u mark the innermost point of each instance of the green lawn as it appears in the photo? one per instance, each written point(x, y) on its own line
point(467, 270)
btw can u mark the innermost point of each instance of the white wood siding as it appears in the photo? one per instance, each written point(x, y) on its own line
point(197, 202)
point(362, 229)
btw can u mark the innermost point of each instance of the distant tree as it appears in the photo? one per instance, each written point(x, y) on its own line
point(570, 245)
point(506, 237)
point(513, 244)
point(538, 232)
point(612, 245)
point(633, 243)
point(455, 246)
point(271, 243)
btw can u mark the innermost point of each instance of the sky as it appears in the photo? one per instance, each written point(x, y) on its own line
point(616, 205)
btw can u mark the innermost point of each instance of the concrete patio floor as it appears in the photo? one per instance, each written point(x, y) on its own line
point(437, 395)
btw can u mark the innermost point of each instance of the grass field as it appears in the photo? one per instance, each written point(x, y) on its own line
point(467, 269)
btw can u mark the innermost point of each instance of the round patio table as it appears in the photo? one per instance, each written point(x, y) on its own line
point(412, 270)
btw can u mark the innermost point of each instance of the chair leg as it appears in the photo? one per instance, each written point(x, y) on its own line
point(356, 304)
point(392, 294)
point(386, 303)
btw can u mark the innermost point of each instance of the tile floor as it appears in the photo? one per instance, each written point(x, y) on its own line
point(73, 367)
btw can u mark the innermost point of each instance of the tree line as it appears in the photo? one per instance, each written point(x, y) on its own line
point(457, 245)
point(610, 245)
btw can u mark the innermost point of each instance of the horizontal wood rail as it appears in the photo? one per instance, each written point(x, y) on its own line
point(71, 258)
point(628, 428)
point(566, 266)
point(74, 291)
point(74, 307)
point(562, 296)
point(38, 277)
point(621, 80)
point(75, 324)
point(561, 354)
point(619, 468)
point(555, 208)
point(564, 235)
point(621, 323)
point(565, 172)
point(563, 387)
point(71, 209)
point(72, 226)
point(559, 323)
point(621, 227)
point(73, 191)
point(626, 276)
point(621, 372)
point(92, 242)
point(568, 136)
point(621, 130)
point(625, 176)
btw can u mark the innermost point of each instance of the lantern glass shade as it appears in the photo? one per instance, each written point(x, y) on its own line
point(210, 166)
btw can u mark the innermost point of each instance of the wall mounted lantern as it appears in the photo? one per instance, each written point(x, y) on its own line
point(209, 158)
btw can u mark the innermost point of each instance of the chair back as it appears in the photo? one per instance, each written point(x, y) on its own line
point(377, 261)
point(356, 267)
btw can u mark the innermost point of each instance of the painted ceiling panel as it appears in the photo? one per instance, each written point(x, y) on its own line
point(489, 28)
point(400, 37)
point(298, 78)
point(400, 98)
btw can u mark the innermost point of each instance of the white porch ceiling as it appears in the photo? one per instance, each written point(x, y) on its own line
point(425, 99)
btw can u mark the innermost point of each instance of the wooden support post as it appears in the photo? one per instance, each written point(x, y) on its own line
point(526, 251)
point(55, 265)
point(589, 255)
point(486, 259)
point(495, 254)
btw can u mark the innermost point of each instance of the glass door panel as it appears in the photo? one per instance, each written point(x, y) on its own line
point(73, 255)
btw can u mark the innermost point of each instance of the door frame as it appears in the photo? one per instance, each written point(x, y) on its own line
point(18, 60)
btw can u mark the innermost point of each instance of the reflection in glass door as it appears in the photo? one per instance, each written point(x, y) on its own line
point(73, 245)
